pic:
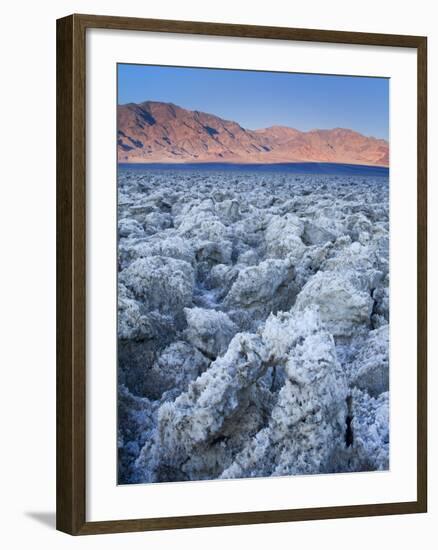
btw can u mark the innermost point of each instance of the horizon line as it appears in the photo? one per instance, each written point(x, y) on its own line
point(231, 163)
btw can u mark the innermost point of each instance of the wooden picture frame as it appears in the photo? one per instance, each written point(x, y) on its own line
point(71, 274)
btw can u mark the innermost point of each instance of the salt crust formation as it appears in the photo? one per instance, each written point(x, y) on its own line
point(253, 325)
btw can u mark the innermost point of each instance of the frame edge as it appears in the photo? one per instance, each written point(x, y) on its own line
point(422, 466)
point(70, 278)
point(247, 31)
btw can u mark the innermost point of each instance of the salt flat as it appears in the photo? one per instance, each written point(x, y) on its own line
point(253, 313)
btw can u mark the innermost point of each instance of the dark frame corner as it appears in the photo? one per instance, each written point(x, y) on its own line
point(71, 231)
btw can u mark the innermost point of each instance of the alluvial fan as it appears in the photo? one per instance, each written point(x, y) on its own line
point(253, 315)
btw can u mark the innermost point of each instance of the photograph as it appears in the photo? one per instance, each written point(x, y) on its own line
point(217, 288)
point(253, 274)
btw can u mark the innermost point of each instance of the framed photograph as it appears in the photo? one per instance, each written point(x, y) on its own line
point(241, 274)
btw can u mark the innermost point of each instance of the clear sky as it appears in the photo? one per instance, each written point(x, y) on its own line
point(258, 99)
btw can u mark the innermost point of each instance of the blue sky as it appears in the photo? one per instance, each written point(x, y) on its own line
point(258, 99)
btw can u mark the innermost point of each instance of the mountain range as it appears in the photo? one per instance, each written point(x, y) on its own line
point(160, 132)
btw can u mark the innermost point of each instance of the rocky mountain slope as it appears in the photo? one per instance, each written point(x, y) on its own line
point(163, 132)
